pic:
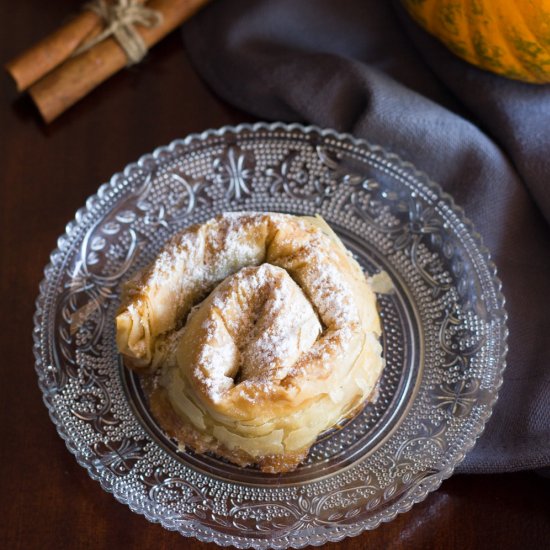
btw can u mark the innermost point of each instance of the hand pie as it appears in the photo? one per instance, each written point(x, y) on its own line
point(261, 332)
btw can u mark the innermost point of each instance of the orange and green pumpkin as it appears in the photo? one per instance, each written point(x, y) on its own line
point(508, 37)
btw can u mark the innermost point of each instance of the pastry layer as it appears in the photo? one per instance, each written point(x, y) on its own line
point(263, 331)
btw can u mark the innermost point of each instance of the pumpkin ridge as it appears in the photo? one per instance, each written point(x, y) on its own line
point(510, 39)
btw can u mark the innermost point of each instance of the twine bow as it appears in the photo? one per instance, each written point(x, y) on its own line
point(120, 18)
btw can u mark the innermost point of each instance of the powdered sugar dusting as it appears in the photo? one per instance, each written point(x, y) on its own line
point(324, 281)
point(270, 322)
point(283, 296)
point(218, 360)
point(284, 329)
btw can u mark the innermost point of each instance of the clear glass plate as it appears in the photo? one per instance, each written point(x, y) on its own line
point(444, 336)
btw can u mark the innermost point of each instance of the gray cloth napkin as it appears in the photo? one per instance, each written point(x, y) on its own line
point(361, 66)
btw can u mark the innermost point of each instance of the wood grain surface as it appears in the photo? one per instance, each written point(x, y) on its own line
point(46, 173)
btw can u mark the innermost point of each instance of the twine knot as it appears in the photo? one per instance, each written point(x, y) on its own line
point(120, 18)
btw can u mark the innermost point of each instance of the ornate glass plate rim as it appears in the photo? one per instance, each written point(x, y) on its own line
point(470, 352)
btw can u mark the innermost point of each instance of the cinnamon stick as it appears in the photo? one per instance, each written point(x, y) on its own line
point(77, 76)
point(40, 59)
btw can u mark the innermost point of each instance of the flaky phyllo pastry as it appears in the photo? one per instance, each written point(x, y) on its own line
point(261, 332)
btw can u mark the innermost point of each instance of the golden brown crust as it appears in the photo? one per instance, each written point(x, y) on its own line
point(264, 332)
point(183, 432)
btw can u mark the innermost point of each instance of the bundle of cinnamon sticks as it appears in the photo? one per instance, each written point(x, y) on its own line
point(61, 69)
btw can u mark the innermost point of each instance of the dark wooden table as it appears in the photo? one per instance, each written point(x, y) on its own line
point(47, 500)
